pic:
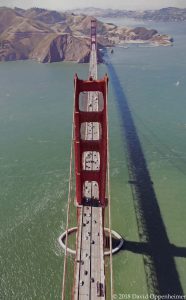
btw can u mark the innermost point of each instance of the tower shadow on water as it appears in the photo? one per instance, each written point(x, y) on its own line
point(161, 273)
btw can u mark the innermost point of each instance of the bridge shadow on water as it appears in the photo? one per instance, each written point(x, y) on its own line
point(158, 254)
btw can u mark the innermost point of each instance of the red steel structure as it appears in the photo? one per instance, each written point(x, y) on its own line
point(100, 116)
point(82, 146)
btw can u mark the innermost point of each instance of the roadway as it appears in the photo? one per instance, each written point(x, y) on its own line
point(89, 278)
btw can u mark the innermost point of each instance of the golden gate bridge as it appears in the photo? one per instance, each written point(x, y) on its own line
point(92, 189)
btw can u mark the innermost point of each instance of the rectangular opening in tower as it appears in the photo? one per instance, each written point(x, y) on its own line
point(90, 190)
point(91, 101)
point(90, 131)
point(91, 161)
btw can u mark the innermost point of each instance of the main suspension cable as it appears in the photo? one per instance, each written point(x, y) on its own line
point(109, 208)
point(68, 213)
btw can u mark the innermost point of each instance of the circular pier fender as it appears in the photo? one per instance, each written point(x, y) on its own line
point(62, 239)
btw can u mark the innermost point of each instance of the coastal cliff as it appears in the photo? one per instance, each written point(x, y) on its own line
point(62, 47)
point(50, 36)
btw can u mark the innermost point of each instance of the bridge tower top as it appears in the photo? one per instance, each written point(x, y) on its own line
point(90, 133)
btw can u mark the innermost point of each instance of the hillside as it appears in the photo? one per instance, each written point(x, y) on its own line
point(50, 36)
point(167, 14)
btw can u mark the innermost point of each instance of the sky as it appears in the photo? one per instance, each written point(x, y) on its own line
point(117, 4)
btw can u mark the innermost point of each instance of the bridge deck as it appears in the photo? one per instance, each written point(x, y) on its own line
point(89, 279)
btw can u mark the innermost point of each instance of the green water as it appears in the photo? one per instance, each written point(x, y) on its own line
point(149, 79)
point(36, 103)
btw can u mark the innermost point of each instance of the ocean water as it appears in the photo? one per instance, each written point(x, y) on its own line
point(147, 116)
point(149, 87)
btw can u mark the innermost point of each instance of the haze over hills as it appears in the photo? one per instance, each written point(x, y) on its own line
point(51, 36)
point(167, 14)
